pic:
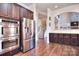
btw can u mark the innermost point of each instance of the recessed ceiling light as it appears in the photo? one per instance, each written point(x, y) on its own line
point(56, 6)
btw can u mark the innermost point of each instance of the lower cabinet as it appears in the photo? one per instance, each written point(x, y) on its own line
point(68, 39)
point(74, 39)
point(51, 37)
point(55, 38)
point(60, 39)
point(78, 39)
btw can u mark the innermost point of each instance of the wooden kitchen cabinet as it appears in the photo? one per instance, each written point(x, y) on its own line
point(26, 13)
point(51, 37)
point(15, 11)
point(3, 9)
point(23, 12)
point(6, 10)
point(66, 39)
point(60, 39)
point(74, 39)
point(9, 10)
point(56, 37)
point(78, 40)
point(29, 14)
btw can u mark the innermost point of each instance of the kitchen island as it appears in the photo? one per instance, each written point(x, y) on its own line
point(68, 37)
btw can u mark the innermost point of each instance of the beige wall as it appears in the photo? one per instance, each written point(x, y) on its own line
point(42, 23)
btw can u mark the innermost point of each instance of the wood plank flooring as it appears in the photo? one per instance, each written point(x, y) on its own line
point(51, 49)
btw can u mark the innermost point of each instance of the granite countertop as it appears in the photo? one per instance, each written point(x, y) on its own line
point(72, 31)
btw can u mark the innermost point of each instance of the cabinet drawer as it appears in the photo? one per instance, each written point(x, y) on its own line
point(74, 41)
point(74, 36)
point(66, 36)
point(60, 38)
point(55, 36)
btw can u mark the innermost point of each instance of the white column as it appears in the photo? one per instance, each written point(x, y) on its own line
point(35, 19)
point(51, 27)
point(47, 25)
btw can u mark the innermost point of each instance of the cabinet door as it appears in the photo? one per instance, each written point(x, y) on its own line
point(9, 10)
point(30, 14)
point(51, 37)
point(21, 12)
point(3, 9)
point(67, 39)
point(60, 39)
point(15, 11)
point(25, 13)
point(73, 39)
point(78, 40)
point(56, 37)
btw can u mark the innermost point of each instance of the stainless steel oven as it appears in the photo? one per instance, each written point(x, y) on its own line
point(9, 35)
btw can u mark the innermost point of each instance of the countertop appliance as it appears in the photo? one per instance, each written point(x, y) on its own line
point(74, 25)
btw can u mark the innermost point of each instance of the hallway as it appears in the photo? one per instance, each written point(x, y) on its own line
point(51, 49)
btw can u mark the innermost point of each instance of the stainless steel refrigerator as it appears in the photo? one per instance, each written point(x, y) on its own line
point(27, 34)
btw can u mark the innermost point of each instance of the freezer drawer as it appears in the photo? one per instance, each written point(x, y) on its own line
point(26, 45)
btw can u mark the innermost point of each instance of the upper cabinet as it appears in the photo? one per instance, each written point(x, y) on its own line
point(6, 10)
point(14, 11)
point(23, 12)
point(9, 10)
point(3, 9)
point(29, 14)
point(26, 13)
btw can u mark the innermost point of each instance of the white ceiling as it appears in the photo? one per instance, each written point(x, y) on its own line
point(28, 4)
point(42, 7)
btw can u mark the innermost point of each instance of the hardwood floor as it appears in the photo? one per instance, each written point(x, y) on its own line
point(51, 49)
